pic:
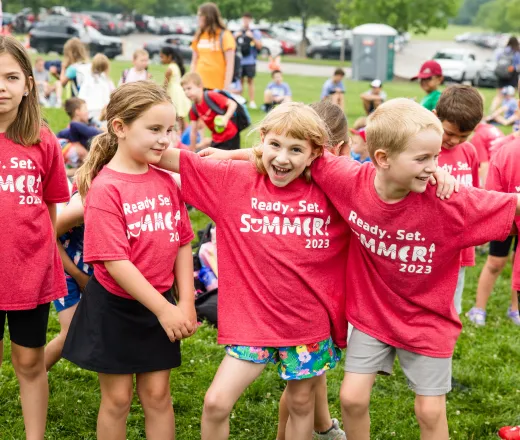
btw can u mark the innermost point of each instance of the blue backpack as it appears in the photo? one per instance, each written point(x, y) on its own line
point(241, 117)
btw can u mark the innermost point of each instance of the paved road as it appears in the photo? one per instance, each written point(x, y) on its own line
point(407, 62)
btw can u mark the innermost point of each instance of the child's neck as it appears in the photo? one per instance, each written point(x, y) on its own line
point(123, 163)
point(6, 119)
point(76, 119)
point(387, 190)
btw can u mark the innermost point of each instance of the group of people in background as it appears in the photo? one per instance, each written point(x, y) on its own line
point(308, 239)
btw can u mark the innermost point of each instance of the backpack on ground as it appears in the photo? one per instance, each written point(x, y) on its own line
point(505, 69)
point(237, 69)
point(241, 116)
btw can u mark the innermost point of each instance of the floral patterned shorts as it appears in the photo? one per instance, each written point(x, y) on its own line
point(294, 363)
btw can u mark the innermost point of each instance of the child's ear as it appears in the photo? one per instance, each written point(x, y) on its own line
point(119, 128)
point(434, 112)
point(381, 159)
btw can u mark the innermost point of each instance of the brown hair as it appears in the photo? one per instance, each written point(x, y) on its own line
point(72, 105)
point(128, 102)
point(335, 120)
point(339, 71)
point(461, 105)
point(25, 129)
point(213, 20)
point(360, 123)
point(140, 52)
point(296, 120)
point(191, 77)
point(100, 64)
point(394, 122)
point(75, 51)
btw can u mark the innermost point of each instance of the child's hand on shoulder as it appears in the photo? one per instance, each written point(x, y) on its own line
point(215, 154)
point(446, 183)
point(175, 323)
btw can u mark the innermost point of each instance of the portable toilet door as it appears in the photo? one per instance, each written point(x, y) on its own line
point(373, 52)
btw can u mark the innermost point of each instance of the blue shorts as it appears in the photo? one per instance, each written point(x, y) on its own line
point(294, 363)
point(72, 298)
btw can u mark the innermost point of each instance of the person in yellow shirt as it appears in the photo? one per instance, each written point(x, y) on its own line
point(213, 49)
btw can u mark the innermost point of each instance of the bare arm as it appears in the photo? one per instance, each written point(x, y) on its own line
point(194, 59)
point(229, 56)
point(217, 154)
point(52, 214)
point(231, 109)
point(184, 279)
point(172, 319)
point(193, 135)
point(167, 78)
point(170, 160)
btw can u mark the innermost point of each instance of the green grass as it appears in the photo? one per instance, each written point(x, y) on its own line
point(447, 34)
point(303, 60)
point(485, 359)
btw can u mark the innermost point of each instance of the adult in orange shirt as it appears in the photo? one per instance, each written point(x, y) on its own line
point(213, 56)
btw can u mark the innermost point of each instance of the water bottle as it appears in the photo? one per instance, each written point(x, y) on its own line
point(208, 278)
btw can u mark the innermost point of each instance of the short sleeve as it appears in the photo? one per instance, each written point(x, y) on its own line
point(494, 180)
point(70, 73)
point(342, 86)
point(257, 34)
point(324, 90)
point(488, 215)
point(186, 231)
point(194, 46)
point(203, 182)
point(482, 153)
point(100, 224)
point(287, 90)
point(218, 99)
point(228, 42)
point(55, 186)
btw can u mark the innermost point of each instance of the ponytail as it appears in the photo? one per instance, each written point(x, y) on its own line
point(102, 150)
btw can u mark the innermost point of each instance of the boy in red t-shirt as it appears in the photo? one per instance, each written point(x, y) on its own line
point(224, 133)
point(404, 260)
point(483, 137)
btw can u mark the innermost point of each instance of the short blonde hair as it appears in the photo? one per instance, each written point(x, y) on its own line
point(192, 77)
point(140, 52)
point(100, 64)
point(296, 120)
point(394, 122)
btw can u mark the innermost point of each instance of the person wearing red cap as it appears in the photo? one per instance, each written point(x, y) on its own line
point(430, 78)
point(359, 148)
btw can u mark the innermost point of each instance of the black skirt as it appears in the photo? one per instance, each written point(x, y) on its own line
point(114, 335)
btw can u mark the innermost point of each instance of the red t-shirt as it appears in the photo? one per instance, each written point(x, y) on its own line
point(281, 254)
point(504, 176)
point(462, 163)
point(136, 217)
point(404, 258)
point(208, 117)
point(482, 138)
point(31, 272)
point(499, 143)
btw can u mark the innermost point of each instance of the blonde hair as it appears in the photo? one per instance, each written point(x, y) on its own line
point(75, 51)
point(296, 120)
point(192, 77)
point(140, 52)
point(394, 122)
point(100, 64)
point(25, 129)
point(128, 102)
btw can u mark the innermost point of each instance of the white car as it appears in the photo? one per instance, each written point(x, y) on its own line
point(458, 65)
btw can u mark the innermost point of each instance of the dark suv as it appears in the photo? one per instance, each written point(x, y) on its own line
point(52, 36)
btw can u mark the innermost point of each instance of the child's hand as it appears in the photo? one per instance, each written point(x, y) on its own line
point(82, 280)
point(190, 313)
point(446, 183)
point(175, 323)
point(215, 154)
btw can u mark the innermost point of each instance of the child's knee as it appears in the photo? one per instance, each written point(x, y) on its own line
point(353, 403)
point(117, 402)
point(430, 411)
point(300, 402)
point(28, 365)
point(496, 264)
point(216, 405)
point(158, 398)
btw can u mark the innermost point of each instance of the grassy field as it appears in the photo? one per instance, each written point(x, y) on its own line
point(303, 60)
point(447, 34)
point(485, 359)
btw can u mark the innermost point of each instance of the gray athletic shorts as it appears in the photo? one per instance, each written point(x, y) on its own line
point(427, 376)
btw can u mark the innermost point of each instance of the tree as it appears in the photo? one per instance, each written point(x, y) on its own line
point(403, 15)
point(500, 15)
point(468, 11)
point(232, 9)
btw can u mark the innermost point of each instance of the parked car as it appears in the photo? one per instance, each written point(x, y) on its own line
point(486, 77)
point(52, 36)
point(330, 50)
point(177, 41)
point(107, 23)
point(458, 65)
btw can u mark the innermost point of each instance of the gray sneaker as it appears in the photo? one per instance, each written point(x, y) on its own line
point(477, 316)
point(334, 433)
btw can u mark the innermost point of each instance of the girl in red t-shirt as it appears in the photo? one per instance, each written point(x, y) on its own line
point(282, 266)
point(137, 237)
point(32, 182)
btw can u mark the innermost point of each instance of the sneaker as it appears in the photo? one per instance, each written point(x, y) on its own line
point(252, 105)
point(509, 433)
point(477, 316)
point(513, 316)
point(334, 433)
